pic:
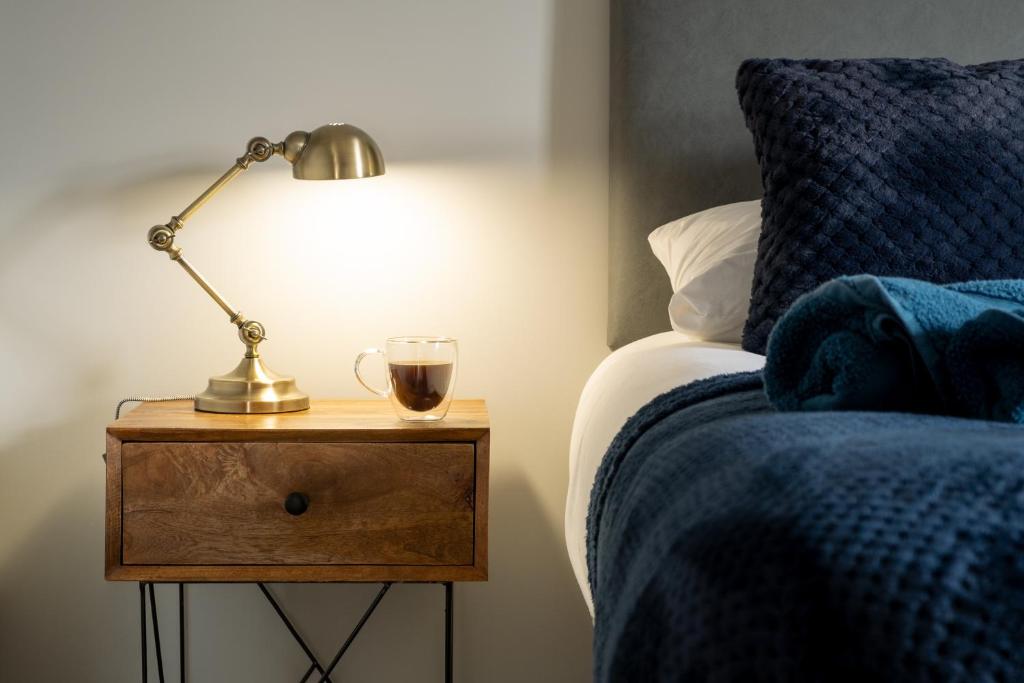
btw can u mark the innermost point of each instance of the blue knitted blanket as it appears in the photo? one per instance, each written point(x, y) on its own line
point(729, 542)
point(887, 343)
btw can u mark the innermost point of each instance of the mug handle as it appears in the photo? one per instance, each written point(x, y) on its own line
point(359, 376)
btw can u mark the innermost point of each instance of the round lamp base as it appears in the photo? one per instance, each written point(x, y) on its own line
point(252, 388)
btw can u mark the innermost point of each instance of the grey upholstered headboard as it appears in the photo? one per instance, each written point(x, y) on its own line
point(678, 141)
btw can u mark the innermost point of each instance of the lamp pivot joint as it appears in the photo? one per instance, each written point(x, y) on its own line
point(258, 149)
point(251, 332)
point(161, 238)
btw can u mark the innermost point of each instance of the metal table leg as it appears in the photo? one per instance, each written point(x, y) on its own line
point(155, 620)
point(142, 633)
point(181, 631)
point(449, 627)
point(156, 634)
point(314, 662)
point(314, 668)
point(355, 632)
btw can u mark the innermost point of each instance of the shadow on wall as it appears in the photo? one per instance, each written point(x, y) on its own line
point(57, 617)
point(530, 611)
point(577, 87)
point(50, 310)
point(142, 187)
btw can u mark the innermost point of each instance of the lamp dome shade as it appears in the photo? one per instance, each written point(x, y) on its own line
point(337, 151)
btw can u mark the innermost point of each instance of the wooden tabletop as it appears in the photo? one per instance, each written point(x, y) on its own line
point(326, 420)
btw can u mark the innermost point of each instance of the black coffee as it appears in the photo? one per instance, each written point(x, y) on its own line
point(420, 385)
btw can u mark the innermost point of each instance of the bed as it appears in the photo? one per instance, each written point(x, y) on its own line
point(713, 537)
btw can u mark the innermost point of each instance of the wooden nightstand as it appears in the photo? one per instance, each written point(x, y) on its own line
point(341, 492)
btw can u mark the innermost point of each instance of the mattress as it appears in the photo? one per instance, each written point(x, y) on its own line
point(624, 382)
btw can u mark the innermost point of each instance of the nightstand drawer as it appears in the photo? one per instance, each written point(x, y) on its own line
point(210, 503)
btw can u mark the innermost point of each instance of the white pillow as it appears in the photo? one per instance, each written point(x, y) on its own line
point(709, 257)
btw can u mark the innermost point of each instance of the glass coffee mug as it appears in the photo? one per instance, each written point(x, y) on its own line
point(420, 375)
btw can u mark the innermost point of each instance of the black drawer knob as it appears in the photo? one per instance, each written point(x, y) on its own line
point(296, 503)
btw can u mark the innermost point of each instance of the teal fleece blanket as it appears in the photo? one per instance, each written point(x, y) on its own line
point(894, 344)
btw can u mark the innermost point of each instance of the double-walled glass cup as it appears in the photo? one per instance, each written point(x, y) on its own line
point(420, 375)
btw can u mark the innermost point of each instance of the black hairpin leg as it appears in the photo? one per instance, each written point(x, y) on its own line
point(355, 632)
point(181, 631)
point(142, 633)
point(449, 624)
point(155, 620)
point(309, 672)
point(314, 663)
point(156, 634)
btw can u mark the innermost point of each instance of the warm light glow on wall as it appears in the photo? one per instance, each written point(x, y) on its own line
point(379, 225)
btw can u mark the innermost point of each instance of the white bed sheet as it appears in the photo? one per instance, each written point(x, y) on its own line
point(625, 381)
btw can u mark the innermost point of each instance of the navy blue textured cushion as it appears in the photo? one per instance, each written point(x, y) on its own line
point(899, 167)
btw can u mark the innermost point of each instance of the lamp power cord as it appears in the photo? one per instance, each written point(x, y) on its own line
point(147, 399)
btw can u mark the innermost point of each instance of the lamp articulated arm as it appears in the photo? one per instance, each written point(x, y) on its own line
point(161, 238)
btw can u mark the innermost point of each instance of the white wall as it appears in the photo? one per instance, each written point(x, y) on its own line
point(490, 226)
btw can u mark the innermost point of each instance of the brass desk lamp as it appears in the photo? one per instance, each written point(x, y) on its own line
point(333, 152)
